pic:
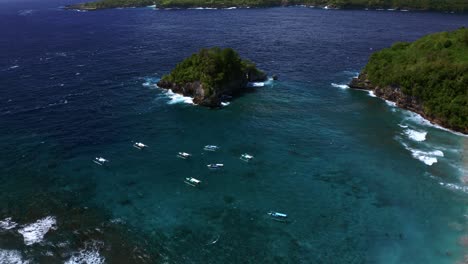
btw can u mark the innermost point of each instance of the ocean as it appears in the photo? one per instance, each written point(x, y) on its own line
point(361, 180)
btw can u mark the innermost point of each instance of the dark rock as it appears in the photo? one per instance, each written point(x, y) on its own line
point(361, 82)
point(394, 93)
point(222, 94)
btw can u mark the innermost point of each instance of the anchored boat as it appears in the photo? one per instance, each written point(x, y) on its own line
point(211, 148)
point(246, 157)
point(192, 182)
point(278, 216)
point(140, 145)
point(215, 166)
point(100, 160)
point(184, 155)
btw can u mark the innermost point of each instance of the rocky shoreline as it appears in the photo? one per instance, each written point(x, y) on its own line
point(394, 94)
point(223, 94)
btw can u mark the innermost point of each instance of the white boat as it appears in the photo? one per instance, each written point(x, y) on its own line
point(100, 160)
point(215, 166)
point(192, 181)
point(211, 148)
point(278, 216)
point(184, 155)
point(246, 157)
point(140, 145)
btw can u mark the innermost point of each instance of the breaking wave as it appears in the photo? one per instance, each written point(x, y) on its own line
point(417, 118)
point(341, 86)
point(11, 257)
point(416, 135)
point(178, 98)
point(428, 157)
point(7, 224)
point(35, 232)
point(86, 256)
point(455, 187)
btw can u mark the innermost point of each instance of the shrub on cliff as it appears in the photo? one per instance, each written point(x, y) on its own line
point(434, 69)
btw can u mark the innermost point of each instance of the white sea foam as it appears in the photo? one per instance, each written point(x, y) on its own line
point(86, 257)
point(35, 232)
point(421, 155)
point(224, 104)
point(25, 12)
point(11, 257)
point(89, 255)
point(428, 157)
point(178, 98)
point(255, 84)
point(456, 187)
point(13, 67)
point(417, 118)
point(390, 103)
point(402, 126)
point(372, 94)
point(151, 82)
point(415, 135)
point(229, 8)
point(7, 224)
point(268, 82)
point(203, 8)
point(341, 86)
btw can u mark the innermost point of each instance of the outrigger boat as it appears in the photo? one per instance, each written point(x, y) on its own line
point(192, 181)
point(140, 145)
point(100, 160)
point(215, 166)
point(246, 157)
point(211, 148)
point(278, 216)
point(184, 155)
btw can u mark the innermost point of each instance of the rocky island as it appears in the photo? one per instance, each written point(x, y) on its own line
point(439, 5)
point(212, 76)
point(428, 76)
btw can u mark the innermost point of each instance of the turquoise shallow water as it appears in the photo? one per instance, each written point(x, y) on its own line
point(361, 181)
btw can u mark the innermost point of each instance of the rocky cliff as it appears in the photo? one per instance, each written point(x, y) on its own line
point(395, 94)
point(212, 76)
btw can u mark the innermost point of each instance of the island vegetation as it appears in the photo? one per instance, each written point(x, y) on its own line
point(428, 76)
point(212, 76)
point(436, 5)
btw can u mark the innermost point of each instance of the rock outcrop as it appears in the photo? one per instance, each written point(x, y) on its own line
point(395, 94)
point(215, 76)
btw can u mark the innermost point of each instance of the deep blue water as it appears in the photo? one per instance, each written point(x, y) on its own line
point(362, 181)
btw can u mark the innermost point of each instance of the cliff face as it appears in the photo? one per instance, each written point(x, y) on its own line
point(212, 76)
point(394, 94)
point(200, 97)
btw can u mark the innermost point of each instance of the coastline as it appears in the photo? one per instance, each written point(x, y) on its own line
point(410, 103)
point(84, 7)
